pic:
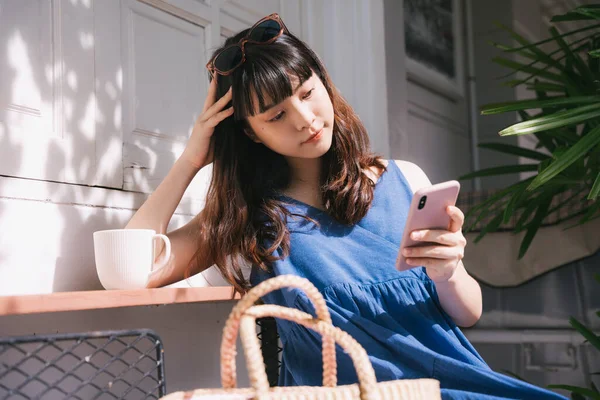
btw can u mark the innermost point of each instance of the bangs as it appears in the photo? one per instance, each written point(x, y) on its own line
point(266, 79)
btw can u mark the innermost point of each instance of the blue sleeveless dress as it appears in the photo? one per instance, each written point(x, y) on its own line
point(396, 316)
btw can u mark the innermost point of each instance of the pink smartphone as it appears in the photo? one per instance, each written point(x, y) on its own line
point(427, 211)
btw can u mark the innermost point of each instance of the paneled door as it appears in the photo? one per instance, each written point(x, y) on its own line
point(48, 107)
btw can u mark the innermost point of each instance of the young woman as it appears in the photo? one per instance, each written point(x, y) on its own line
point(296, 190)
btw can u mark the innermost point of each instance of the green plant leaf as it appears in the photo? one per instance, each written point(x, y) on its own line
point(588, 126)
point(484, 213)
point(507, 372)
point(514, 150)
point(595, 189)
point(579, 390)
point(535, 224)
point(542, 56)
point(546, 87)
point(528, 212)
point(543, 96)
point(513, 203)
point(533, 47)
point(492, 226)
point(507, 169)
point(567, 182)
point(564, 135)
point(537, 59)
point(591, 211)
point(569, 157)
point(573, 196)
point(487, 206)
point(543, 137)
point(591, 337)
point(497, 108)
point(556, 154)
point(570, 216)
point(505, 62)
point(589, 11)
point(577, 396)
point(586, 28)
point(588, 79)
point(593, 61)
point(509, 49)
point(533, 56)
point(567, 73)
point(496, 197)
point(513, 83)
point(588, 213)
point(554, 121)
point(570, 16)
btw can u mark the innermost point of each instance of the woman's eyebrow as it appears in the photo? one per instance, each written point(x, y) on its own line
point(268, 107)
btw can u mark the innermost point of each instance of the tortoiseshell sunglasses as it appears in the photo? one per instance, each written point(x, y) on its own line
point(265, 31)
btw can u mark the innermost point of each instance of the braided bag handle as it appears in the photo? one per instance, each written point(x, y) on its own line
point(230, 332)
point(367, 382)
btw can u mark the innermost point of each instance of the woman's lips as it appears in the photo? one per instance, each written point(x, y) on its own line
point(315, 137)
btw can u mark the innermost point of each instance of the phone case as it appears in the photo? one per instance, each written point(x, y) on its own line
point(432, 215)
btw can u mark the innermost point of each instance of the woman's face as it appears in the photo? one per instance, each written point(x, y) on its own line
point(289, 128)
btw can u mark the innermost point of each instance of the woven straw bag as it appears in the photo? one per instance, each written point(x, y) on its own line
point(243, 318)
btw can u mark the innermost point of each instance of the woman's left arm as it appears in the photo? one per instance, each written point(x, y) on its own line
point(461, 297)
point(459, 293)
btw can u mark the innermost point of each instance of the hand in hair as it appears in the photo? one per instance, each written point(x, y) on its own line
point(198, 150)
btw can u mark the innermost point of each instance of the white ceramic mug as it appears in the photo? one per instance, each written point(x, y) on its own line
point(125, 257)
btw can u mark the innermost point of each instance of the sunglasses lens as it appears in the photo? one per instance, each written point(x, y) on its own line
point(229, 59)
point(265, 31)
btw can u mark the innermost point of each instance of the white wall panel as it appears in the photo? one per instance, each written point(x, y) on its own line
point(47, 98)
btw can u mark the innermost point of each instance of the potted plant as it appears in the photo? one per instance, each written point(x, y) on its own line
point(566, 84)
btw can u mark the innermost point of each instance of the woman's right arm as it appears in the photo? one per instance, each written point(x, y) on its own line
point(157, 210)
point(156, 213)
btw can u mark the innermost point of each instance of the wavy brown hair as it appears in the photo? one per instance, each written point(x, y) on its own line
point(244, 220)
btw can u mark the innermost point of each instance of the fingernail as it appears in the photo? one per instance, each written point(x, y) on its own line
point(416, 235)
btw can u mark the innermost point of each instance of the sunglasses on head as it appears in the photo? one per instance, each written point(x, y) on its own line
point(229, 58)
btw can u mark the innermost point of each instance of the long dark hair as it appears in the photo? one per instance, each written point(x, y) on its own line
point(243, 220)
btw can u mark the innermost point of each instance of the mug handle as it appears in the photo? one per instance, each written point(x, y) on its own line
point(167, 254)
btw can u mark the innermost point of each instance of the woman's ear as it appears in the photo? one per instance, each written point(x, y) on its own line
point(251, 135)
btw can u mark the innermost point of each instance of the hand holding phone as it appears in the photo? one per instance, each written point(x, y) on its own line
point(428, 210)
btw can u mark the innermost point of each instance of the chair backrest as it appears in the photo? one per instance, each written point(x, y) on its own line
point(271, 348)
point(86, 366)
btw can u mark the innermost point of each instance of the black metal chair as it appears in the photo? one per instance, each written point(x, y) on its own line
point(269, 339)
point(85, 366)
